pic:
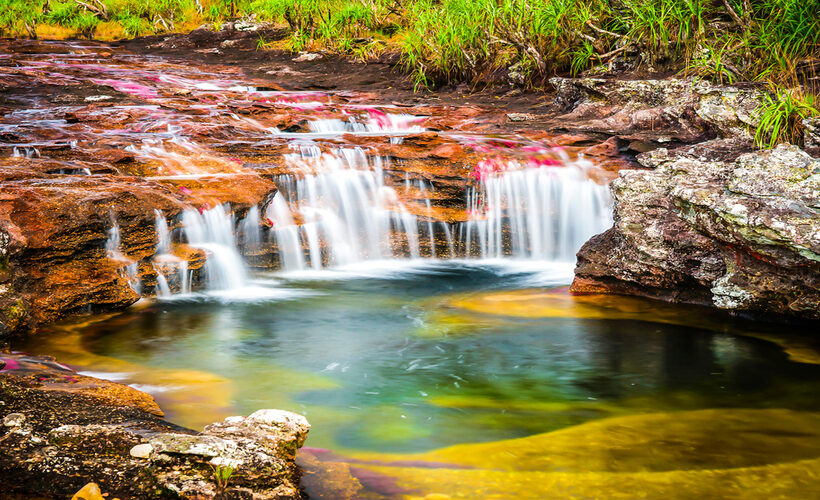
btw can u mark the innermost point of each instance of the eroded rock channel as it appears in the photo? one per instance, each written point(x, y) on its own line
point(208, 189)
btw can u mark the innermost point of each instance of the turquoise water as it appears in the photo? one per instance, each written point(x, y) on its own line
point(380, 358)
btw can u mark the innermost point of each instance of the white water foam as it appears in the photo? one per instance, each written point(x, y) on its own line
point(348, 213)
point(540, 213)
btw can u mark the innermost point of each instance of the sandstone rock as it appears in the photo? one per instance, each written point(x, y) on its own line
point(521, 117)
point(741, 235)
point(83, 169)
point(90, 491)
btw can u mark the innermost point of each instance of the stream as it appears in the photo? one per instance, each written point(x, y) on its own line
point(399, 275)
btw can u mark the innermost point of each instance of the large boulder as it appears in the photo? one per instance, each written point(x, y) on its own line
point(112, 435)
point(739, 234)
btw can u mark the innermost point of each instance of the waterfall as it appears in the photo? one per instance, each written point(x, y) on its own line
point(249, 228)
point(170, 269)
point(113, 251)
point(377, 122)
point(213, 231)
point(210, 230)
point(347, 212)
point(541, 212)
point(163, 234)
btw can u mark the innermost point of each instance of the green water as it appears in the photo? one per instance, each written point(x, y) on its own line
point(385, 360)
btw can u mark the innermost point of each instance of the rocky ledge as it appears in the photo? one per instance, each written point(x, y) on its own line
point(705, 225)
point(61, 430)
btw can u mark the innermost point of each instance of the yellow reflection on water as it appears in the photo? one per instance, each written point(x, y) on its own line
point(558, 303)
point(717, 453)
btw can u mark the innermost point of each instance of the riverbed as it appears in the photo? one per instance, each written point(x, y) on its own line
point(396, 272)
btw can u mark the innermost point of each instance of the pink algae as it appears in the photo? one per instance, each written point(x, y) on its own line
point(132, 88)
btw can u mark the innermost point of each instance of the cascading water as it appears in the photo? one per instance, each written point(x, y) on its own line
point(346, 209)
point(170, 268)
point(249, 230)
point(378, 122)
point(213, 231)
point(114, 252)
point(534, 212)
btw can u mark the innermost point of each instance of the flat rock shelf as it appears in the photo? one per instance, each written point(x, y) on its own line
point(487, 295)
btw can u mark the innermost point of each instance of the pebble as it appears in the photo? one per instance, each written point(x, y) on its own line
point(14, 420)
point(306, 57)
point(141, 450)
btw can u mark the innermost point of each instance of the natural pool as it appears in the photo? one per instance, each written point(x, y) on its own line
point(395, 363)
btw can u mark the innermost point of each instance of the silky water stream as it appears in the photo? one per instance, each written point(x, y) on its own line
point(436, 354)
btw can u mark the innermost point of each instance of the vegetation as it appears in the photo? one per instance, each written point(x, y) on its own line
point(222, 475)
point(448, 41)
point(782, 115)
point(468, 40)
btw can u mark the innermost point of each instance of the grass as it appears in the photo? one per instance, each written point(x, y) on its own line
point(782, 115)
point(447, 41)
point(475, 41)
point(222, 475)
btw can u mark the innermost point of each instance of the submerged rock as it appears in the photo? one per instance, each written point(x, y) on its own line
point(741, 235)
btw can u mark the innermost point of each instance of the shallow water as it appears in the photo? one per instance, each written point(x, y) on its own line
point(401, 357)
point(422, 378)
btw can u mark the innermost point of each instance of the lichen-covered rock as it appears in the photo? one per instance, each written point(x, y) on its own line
point(741, 235)
point(130, 452)
point(670, 110)
point(260, 449)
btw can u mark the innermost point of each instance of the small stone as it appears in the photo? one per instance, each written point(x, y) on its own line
point(307, 57)
point(14, 420)
point(521, 117)
point(141, 450)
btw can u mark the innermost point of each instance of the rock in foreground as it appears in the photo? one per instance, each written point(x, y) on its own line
point(58, 434)
point(740, 234)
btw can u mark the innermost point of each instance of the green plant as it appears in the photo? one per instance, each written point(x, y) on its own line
point(713, 62)
point(782, 115)
point(222, 475)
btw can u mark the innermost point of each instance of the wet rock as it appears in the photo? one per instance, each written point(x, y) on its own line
point(68, 176)
point(741, 235)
